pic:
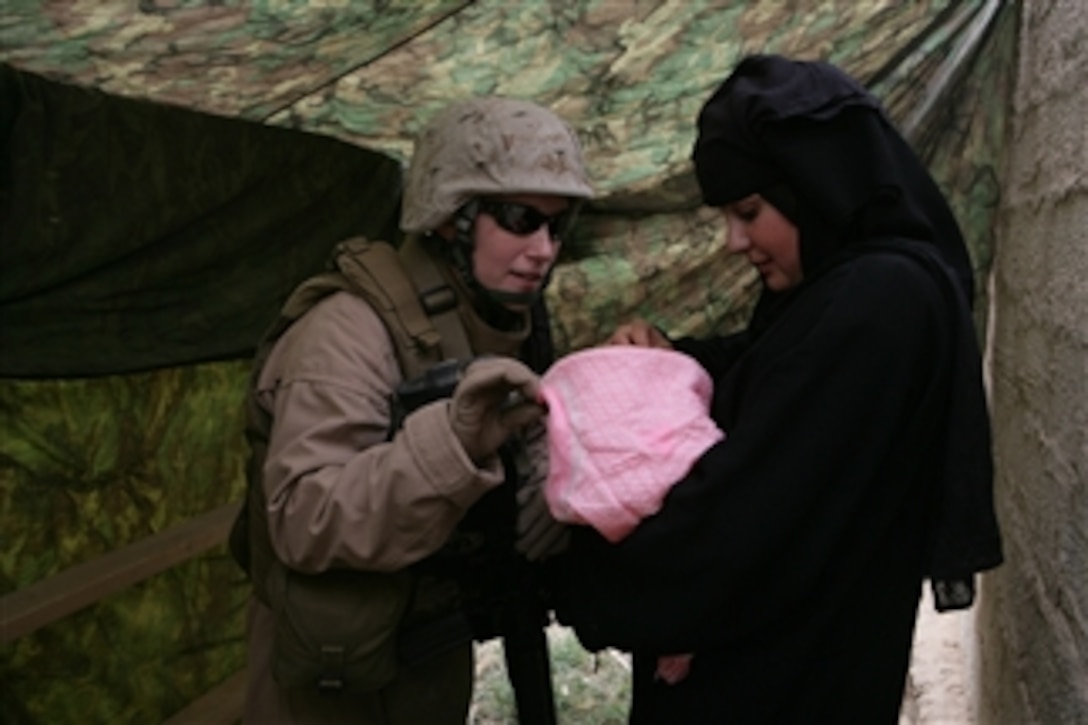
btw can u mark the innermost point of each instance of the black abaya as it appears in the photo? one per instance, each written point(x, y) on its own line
point(790, 561)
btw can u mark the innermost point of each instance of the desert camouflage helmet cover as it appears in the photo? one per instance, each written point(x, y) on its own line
point(485, 146)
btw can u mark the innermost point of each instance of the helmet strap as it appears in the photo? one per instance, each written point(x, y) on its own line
point(464, 221)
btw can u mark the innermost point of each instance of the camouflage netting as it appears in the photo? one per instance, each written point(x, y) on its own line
point(171, 169)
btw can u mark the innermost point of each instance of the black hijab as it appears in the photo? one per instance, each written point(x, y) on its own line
point(817, 145)
point(814, 129)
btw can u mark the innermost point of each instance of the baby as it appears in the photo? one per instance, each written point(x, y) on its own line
point(624, 424)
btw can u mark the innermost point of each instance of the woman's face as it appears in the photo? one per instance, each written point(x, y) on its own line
point(770, 241)
point(515, 245)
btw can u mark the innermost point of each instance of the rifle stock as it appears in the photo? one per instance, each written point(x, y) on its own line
point(500, 593)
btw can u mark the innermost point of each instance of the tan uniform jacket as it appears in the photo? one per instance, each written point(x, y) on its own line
point(339, 495)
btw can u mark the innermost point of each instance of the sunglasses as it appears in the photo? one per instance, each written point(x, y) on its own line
point(523, 220)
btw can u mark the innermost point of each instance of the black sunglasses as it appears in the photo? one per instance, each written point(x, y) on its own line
point(523, 220)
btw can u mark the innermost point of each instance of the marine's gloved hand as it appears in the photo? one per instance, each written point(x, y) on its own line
point(539, 535)
point(494, 399)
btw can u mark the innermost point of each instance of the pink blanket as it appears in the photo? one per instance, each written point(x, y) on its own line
point(624, 424)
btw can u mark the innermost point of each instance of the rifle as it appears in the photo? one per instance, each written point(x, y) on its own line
point(498, 593)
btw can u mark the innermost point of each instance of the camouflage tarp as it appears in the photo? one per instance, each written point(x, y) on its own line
point(89, 464)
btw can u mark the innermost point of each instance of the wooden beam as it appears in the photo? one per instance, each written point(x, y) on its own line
point(42, 603)
point(220, 706)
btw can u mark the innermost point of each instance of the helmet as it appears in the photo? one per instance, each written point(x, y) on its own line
point(487, 146)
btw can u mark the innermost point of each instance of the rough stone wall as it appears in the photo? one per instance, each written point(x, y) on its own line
point(1032, 656)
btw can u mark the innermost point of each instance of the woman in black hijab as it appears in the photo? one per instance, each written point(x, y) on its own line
point(857, 460)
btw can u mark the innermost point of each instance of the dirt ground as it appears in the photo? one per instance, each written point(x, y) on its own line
point(591, 690)
point(938, 691)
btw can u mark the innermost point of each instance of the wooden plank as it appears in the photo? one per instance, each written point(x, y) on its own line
point(220, 706)
point(44, 602)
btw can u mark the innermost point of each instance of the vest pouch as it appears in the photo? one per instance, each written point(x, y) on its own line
point(337, 631)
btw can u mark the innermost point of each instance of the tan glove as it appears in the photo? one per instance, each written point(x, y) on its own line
point(539, 535)
point(495, 399)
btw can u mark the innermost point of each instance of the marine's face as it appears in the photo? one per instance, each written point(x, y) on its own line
point(770, 241)
point(515, 245)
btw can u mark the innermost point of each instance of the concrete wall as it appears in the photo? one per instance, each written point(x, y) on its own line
point(1032, 656)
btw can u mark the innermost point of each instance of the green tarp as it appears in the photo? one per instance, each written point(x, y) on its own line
point(140, 236)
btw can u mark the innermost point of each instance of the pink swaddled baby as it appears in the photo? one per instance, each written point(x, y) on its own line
point(624, 424)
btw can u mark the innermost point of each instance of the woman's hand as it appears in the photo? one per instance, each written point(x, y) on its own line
point(639, 333)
